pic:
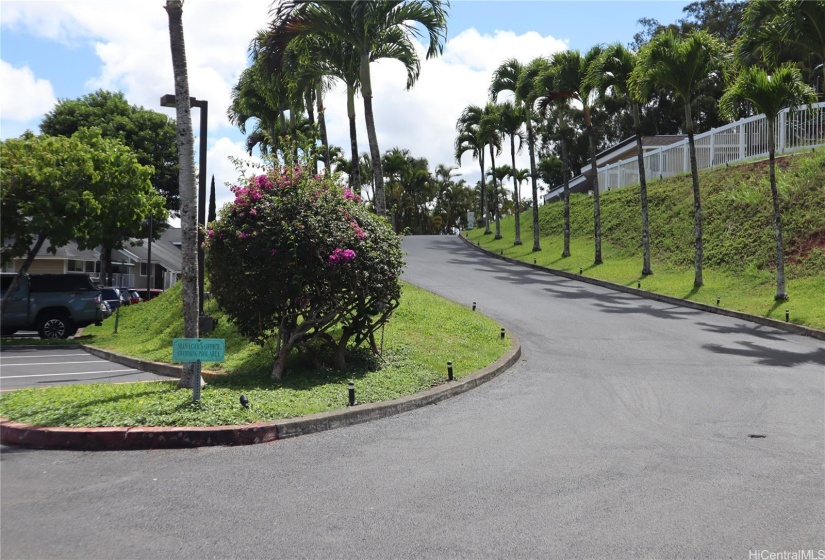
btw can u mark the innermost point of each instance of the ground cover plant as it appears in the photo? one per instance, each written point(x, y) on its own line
point(424, 333)
point(739, 243)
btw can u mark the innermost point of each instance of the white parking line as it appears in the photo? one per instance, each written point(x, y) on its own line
point(59, 374)
point(53, 363)
point(2, 357)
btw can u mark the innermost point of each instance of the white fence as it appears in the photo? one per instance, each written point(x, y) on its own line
point(744, 139)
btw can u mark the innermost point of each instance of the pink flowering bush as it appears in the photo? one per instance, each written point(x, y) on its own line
point(296, 258)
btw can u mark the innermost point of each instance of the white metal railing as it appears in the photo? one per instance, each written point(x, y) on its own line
point(740, 140)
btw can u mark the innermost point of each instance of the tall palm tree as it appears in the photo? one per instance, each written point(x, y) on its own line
point(570, 73)
point(680, 63)
point(770, 93)
point(511, 119)
point(526, 94)
point(188, 198)
point(545, 87)
point(470, 139)
point(488, 130)
point(364, 24)
point(610, 73)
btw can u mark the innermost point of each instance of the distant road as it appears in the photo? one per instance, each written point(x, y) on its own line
point(627, 431)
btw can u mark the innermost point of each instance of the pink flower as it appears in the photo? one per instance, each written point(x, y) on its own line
point(341, 256)
point(350, 195)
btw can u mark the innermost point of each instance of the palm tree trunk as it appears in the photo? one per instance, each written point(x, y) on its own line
point(495, 195)
point(483, 188)
point(566, 183)
point(355, 172)
point(531, 150)
point(781, 294)
point(597, 210)
point(379, 199)
point(697, 201)
point(646, 270)
point(322, 125)
point(516, 191)
point(188, 197)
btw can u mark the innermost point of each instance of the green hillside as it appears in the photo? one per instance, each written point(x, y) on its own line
point(739, 241)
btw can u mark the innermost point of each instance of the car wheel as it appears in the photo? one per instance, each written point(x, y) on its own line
point(54, 326)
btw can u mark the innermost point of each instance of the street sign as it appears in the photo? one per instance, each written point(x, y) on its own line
point(198, 349)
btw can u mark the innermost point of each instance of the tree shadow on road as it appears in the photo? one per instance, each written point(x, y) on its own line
point(742, 328)
point(770, 356)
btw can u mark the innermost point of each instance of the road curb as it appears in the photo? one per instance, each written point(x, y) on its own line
point(124, 438)
point(781, 325)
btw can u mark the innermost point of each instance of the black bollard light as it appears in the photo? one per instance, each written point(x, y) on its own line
point(449, 371)
point(351, 393)
point(639, 284)
point(501, 252)
point(787, 315)
point(717, 300)
point(474, 306)
point(502, 333)
point(534, 261)
point(581, 270)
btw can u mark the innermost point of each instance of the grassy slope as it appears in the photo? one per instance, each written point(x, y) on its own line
point(425, 332)
point(739, 241)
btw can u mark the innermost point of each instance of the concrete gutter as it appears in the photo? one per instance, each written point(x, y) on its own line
point(94, 439)
point(781, 325)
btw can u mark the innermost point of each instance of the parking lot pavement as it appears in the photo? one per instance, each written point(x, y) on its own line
point(45, 367)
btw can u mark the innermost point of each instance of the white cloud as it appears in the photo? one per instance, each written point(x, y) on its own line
point(23, 96)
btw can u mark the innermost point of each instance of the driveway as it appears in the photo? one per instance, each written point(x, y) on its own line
point(50, 366)
point(627, 431)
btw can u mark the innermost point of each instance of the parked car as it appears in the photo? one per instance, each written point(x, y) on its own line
point(134, 295)
point(55, 305)
point(112, 297)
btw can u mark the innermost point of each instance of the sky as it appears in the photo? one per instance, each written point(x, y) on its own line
point(52, 50)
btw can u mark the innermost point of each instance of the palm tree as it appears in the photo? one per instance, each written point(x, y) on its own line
point(766, 24)
point(488, 130)
point(611, 72)
point(511, 119)
point(188, 204)
point(545, 89)
point(512, 76)
point(570, 73)
point(680, 64)
point(469, 139)
point(769, 94)
point(526, 94)
point(365, 25)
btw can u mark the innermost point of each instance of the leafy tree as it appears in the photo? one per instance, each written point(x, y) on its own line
point(511, 120)
point(297, 258)
point(488, 130)
point(366, 26)
point(186, 178)
point(149, 134)
point(769, 94)
point(79, 188)
point(680, 64)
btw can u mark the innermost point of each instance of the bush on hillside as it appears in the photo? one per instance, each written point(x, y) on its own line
point(298, 259)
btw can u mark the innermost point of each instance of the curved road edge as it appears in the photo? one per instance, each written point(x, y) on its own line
point(785, 326)
point(131, 438)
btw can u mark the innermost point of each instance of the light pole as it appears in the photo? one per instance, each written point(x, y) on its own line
point(168, 100)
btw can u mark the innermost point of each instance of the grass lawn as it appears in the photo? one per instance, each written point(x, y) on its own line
point(425, 332)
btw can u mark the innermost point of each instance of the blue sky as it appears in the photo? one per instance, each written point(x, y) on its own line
point(54, 50)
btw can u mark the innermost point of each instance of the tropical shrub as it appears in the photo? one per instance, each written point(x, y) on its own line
point(298, 260)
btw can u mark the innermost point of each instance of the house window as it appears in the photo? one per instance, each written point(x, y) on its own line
point(74, 266)
point(92, 266)
point(143, 269)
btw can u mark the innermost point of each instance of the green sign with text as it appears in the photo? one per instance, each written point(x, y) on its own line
point(198, 349)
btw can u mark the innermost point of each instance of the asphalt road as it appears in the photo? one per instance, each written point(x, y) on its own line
point(623, 433)
point(45, 367)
